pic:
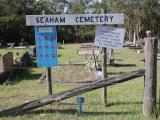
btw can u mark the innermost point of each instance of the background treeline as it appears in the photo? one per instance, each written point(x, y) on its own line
point(140, 15)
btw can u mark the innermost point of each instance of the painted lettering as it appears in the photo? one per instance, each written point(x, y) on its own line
point(77, 19)
point(41, 19)
point(92, 19)
point(101, 18)
point(51, 20)
point(37, 19)
point(106, 19)
point(81, 19)
point(56, 20)
point(97, 18)
point(46, 20)
point(86, 19)
point(62, 20)
point(111, 17)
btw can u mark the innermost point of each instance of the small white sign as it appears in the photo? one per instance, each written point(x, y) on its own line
point(45, 29)
point(109, 37)
point(74, 19)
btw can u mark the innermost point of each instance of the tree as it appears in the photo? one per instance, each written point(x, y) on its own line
point(13, 17)
point(83, 33)
point(139, 15)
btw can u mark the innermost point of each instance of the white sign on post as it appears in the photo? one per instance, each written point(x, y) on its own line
point(74, 19)
point(109, 37)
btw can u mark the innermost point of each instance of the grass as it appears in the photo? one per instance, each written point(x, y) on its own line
point(124, 100)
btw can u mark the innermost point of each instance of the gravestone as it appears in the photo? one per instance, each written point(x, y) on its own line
point(1, 65)
point(6, 62)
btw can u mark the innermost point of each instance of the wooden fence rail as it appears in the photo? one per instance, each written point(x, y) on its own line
point(73, 92)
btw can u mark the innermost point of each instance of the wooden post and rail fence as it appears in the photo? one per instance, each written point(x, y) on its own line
point(71, 93)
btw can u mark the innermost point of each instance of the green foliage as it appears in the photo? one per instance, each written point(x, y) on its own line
point(13, 28)
point(151, 15)
point(139, 15)
point(16, 7)
point(66, 34)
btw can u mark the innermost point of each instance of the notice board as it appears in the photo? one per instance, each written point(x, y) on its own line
point(109, 37)
point(46, 46)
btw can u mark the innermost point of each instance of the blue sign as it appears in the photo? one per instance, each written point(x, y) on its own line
point(46, 46)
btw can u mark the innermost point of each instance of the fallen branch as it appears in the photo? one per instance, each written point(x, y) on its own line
point(70, 93)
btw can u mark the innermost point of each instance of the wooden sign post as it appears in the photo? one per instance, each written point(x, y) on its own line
point(108, 37)
point(104, 75)
point(46, 50)
point(49, 80)
point(48, 72)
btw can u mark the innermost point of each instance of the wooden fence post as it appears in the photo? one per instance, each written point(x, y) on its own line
point(150, 83)
point(104, 70)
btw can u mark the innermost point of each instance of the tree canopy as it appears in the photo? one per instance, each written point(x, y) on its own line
point(139, 15)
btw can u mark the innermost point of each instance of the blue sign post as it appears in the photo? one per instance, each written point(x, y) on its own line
point(46, 50)
point(46, 46)
point(80, 101)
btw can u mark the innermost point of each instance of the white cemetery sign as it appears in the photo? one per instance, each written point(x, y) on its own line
point(74, 19)
point(109, 37)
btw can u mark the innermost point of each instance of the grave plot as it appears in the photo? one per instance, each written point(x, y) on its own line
point(6, 62)
point(13, 66)
point(71, 72)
